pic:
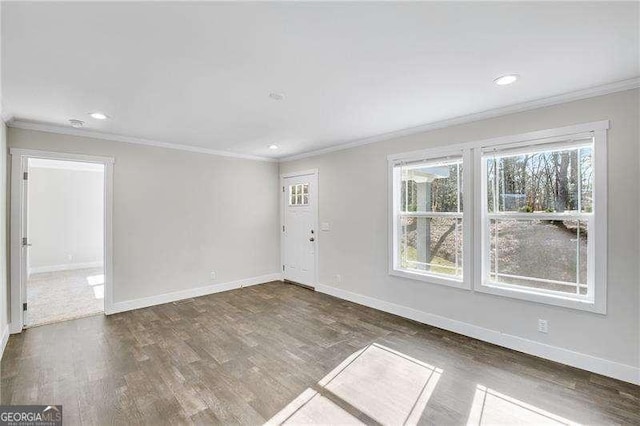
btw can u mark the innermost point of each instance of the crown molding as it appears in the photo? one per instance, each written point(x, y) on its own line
point(605, 89)
point(51, 128)
point(618, 86)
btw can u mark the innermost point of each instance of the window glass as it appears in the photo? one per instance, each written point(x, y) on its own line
point(540, 254)
point(431, 245)
point(429, 236)
point(551, 181)
point(539, 215)
point(432, 188)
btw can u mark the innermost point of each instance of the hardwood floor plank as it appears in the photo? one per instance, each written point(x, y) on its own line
point(243, 356)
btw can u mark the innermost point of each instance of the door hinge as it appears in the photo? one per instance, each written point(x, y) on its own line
point(282, 268)
point(25, 241)
point(25, 175)
point(282, 228)
point(24, 306)
point(283, 189)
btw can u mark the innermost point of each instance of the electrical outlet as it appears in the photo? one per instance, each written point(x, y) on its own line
point(543, 326)
point(338, 278)
point(212, 275)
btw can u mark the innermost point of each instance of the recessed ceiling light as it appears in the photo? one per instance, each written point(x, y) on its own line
point(276, 96)
point(273, 146)
point(503, 80)
point(76, 123)
point(98, 115)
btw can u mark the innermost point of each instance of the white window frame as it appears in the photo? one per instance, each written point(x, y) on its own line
point(474, 215)
point(596, 299)
point(395, 182)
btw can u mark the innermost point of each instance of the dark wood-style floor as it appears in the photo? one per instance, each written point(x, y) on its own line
point(243, 356)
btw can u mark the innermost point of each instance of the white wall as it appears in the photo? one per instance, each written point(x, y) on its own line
point(65, 223)
point(179, 215)
point(353, 198)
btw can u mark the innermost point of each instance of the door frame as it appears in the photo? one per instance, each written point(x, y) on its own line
point(19, 158)
point(316, 199)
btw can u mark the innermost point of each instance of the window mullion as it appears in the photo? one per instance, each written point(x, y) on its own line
point(459, 191)
point(579, 163)
point(432, 214)
point(495, 250)
point(539, 216)
point(578, 258)
point(495, 185)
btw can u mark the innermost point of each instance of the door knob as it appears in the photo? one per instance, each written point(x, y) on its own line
point(312, 239)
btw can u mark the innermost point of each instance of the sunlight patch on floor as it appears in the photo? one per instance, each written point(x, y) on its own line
point(98, 291)
point(97, 283)
point(375, 384)
point(494, 408)
point(95, 279)
point(317, 410)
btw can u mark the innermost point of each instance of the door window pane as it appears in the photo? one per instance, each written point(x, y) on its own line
point(299, 194)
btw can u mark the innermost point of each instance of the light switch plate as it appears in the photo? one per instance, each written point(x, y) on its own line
point(325, 226)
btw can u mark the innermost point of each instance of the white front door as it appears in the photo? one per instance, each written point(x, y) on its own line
point(300, 235)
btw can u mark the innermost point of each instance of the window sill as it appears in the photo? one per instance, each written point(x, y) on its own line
point(430, 278)
point(547, 299)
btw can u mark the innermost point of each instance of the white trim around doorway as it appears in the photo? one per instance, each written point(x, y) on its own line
point(18, 159)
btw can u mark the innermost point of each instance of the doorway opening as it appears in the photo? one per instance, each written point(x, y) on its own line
point(65, 241)
point(60, 237)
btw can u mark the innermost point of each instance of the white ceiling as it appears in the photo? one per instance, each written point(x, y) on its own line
point(200, 74)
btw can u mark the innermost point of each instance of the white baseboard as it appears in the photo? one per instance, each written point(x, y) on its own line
point(5, 339)
point(65, 267)
point(627, 373)
point(144, 302)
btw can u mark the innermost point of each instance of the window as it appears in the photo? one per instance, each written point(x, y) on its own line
point(299, 194)
point(536, 221)
point(539, 220)
point(539, 210)
point(428, 219)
